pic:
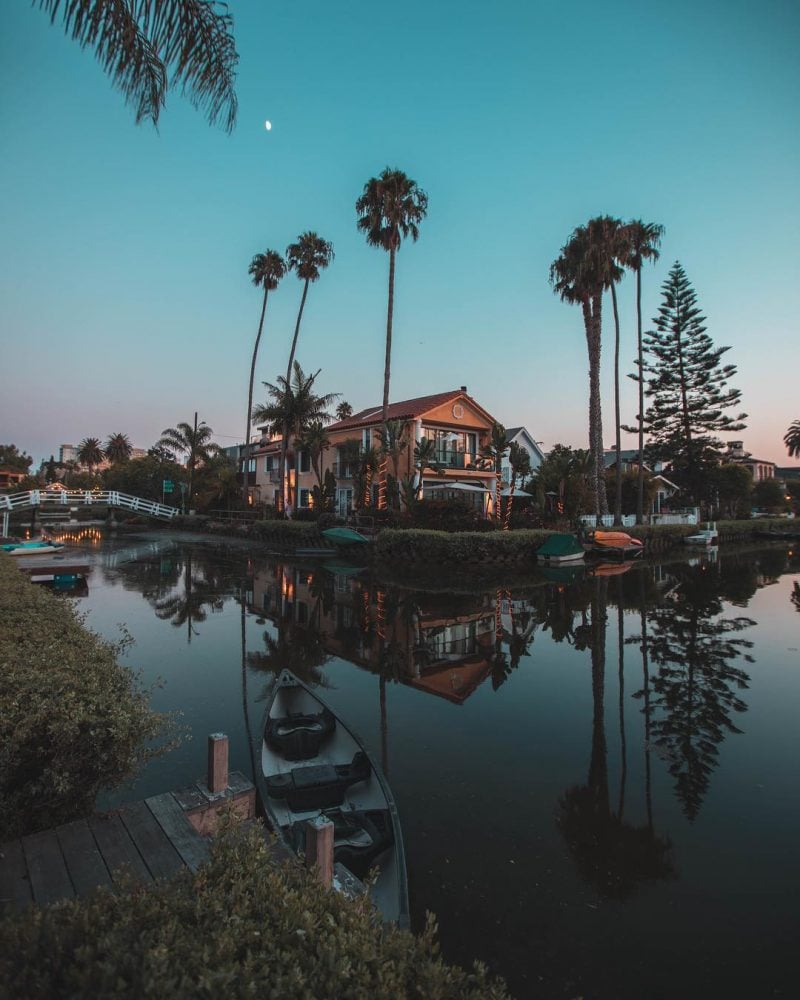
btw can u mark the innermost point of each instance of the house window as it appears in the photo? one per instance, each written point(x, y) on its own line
point(303, 462)
point(269, 463)
point(366, 438)
point(305, 497)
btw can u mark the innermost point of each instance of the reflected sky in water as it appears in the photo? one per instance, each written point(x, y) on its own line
point(596, 771)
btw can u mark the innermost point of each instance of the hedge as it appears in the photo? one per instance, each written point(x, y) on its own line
point(73, 721)
point(241, 926)
point(442, 548)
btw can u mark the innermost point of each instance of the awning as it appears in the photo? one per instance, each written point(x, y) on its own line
point(469, 487)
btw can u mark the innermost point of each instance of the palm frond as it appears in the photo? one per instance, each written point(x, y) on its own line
point(140, 42)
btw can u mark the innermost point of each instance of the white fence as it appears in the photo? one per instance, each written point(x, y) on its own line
point(628, 520)
point(86, 498)
point(607, 521)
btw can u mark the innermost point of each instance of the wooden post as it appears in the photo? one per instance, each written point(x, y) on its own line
point(217, 762)
point(319, 848)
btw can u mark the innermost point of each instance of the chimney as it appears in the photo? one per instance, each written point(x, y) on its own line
point(463, 388)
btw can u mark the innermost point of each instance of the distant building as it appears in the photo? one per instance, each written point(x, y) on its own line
point(520, 436)
point(760, 468)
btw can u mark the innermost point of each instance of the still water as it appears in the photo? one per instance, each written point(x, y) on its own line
point(597, 775)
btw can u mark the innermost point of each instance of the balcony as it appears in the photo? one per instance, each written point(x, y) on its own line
point(449, 459)
point(274, 476)
point(343, 470)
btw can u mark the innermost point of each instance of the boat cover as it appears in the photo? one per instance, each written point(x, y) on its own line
point(318, 786)
point(560, 545)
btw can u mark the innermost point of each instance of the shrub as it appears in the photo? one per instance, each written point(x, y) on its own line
point(241, 926)
point(72, 719)
point(449, 515)
point(440, 547)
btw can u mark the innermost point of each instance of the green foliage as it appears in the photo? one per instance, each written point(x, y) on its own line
point(72, 719)
point(241, 926)
point(732, 485)
point(768, 495)
point(449, 515)
point(144, 477)
point(440, 547)
point(11, 456)
point(629, 490)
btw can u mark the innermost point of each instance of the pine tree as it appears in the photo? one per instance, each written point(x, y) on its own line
point(687, 384)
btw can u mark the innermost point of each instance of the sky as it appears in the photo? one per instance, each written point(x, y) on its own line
point(125, 302)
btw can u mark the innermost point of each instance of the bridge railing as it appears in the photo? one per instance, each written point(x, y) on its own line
point(84, 498)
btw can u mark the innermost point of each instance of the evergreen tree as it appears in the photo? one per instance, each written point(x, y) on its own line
point(687, 384)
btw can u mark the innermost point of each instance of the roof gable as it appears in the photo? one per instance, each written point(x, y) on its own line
point(411, 409)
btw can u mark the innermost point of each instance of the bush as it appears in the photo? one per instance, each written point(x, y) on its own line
point(449, 515)
point(440, 547)
point(241, 926)
point(72, 719)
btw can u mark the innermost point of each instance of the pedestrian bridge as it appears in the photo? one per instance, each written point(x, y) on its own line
point(50, 500)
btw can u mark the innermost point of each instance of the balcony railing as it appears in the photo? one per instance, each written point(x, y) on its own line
point(449, 459)
point(343, 470)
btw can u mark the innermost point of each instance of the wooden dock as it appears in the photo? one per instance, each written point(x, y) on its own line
point(147, 840)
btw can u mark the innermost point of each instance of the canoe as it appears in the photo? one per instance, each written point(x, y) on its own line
point(560, 549)
point(617, 542)
point(344, 536)
point(32, 548)
point(313, 765)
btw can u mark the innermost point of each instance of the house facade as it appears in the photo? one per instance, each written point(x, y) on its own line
point(456, 424)
point(521, 436)
point(760, 468)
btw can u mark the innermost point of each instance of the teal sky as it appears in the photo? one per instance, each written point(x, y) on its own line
point(125, 303)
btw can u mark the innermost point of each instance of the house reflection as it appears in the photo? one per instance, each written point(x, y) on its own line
point(442, 644)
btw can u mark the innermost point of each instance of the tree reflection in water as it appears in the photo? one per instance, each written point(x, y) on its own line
point(611, 854)
point(695, 690)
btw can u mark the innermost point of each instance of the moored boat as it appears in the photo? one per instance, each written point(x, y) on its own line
point(560, 549)
point(32, 548)
point(344, 536)
point(312, 765)
point(618, 543)
point(708, 536)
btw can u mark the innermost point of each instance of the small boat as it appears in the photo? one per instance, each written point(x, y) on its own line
point(312, 765)
point(612, 568)
point(32, 548)
point(707, 537)
point(344, 536)
point(560, 549)
point(618, 543)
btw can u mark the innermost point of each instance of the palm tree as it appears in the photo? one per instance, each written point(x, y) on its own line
point(118, 448)
point(90, 453)
point(520, 462)
point(344, 410)
point(642, 242)
point(307, 257)
point(294, 405)
point(492, 455)
point(266, 270)
point(616, 248)
point(192, 440)
point(424, 458)
point(390, 210)
point(314, 440)
point(151, 45)
point(580, 275)
point(792, 439)
point(393, 442)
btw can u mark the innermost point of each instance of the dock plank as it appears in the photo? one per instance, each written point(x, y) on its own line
point(192, 848)
point(119, 852)
point(47, 869)
point(85, 864)
point(15, 886)
point(157, 852)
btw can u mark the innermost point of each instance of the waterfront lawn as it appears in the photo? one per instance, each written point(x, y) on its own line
point(240, 926)
point(72, 719)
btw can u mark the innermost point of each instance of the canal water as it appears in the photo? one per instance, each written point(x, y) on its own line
point(596, 772)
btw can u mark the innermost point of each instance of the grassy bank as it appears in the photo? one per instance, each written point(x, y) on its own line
point(241, 926)
point(73, 721)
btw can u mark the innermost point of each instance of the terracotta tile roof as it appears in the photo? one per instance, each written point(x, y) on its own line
point(406, 409)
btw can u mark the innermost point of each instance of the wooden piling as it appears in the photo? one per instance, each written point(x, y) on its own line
point(217, 762)
point(319, 848)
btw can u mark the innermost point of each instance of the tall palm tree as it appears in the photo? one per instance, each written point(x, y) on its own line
point(492, 456)
point(90, 453)
point(266, 269)
point(579, 275)
point(792, 439)
point(193, 441)
point(294, 405)
point(147, 46)
point(307, 258)
point(614, 236)
point(390, 210)
point(642, 241)
point(118, 448)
